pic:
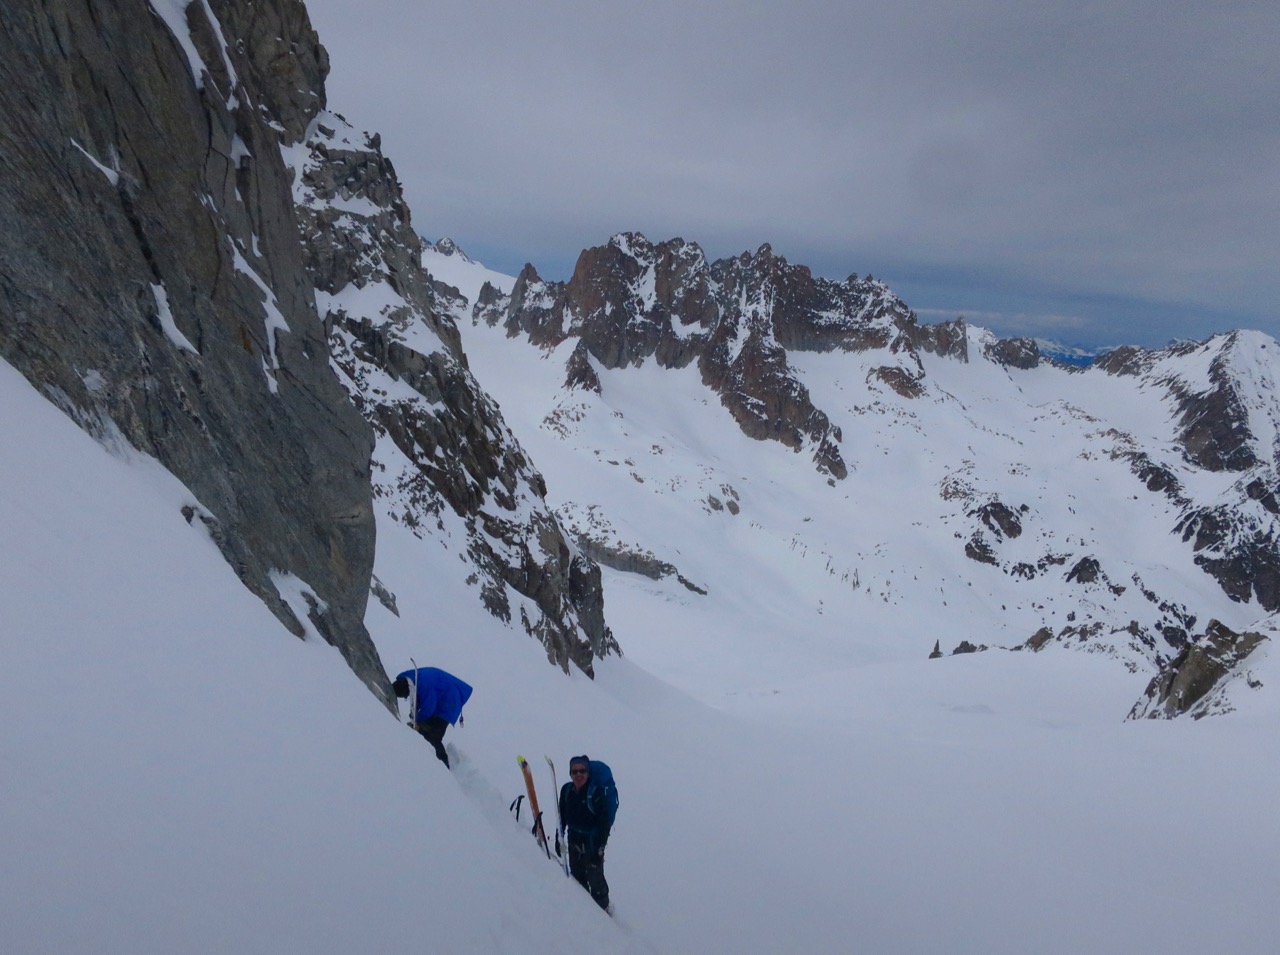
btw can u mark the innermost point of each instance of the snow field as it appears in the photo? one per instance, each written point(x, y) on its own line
point(183, 775)
point(1000, 794)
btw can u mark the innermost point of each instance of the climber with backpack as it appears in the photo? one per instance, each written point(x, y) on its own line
point(436, 699)
point(588, 807)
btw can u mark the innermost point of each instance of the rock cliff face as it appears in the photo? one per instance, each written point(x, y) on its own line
point(442, 442)
point(738, 318)
point(153, 283)
point(1195, 681)
point(151, 280)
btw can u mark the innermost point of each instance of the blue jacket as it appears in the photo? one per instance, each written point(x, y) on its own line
point(439, 694)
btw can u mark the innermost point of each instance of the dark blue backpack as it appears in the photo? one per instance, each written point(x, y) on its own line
point(602, 780)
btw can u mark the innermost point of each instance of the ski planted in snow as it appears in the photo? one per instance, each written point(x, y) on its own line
point(413, 696)
point(562, 851)
point(539, 833)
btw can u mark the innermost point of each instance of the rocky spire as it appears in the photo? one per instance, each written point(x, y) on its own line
point(451, 447)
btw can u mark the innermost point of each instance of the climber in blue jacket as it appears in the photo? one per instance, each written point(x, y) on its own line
point(441, 697)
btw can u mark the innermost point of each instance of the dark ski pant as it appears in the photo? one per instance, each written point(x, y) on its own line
point(587, 867)
point(433, 732)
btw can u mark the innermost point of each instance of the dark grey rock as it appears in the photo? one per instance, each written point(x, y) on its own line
point(1021, 353)
point(905, 383)
point(578, 370)
point(1039, 640)
point(1193, 681)
point(631, 301)
point(357, 233)
point(632, 561)
point(1125, 360)
point(145, 211)
point(977, 548)
point(1000, 519)
point(1215, 425)
point(490, 306)
point(1086, 571)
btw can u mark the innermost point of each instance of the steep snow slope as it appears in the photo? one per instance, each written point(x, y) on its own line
point(183, 775)
point(449, 264)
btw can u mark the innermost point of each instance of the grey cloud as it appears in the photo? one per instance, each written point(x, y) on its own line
point(1124, 153)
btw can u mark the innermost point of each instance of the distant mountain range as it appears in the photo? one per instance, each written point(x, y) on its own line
point(1067, 354)
point(1124, 503)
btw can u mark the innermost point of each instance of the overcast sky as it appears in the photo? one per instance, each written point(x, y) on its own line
point(1093, 172)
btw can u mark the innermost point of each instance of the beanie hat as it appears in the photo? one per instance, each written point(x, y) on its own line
point(580, 761)
point(400, 687)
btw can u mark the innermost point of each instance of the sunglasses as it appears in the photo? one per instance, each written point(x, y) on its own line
point(578, 772)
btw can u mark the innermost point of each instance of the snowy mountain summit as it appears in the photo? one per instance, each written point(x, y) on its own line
point(1126, 508)
point(446, 246)
point(735, 319)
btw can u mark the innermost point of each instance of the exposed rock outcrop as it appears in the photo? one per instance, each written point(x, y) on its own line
point(175, 202)
point(1021, 353)
point(445, 444)
point(1195, 680)
point(1086, 571)
point(1222, 392)
point(634, 562)
point(597, 539)
point(1000, 519)
point(737, 318)
point(1215, 423)
point(152, 280)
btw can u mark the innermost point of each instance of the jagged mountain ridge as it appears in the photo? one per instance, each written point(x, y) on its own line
point(627, 301)
point(735, 318)
point(442, 441)
point(1180, 443)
